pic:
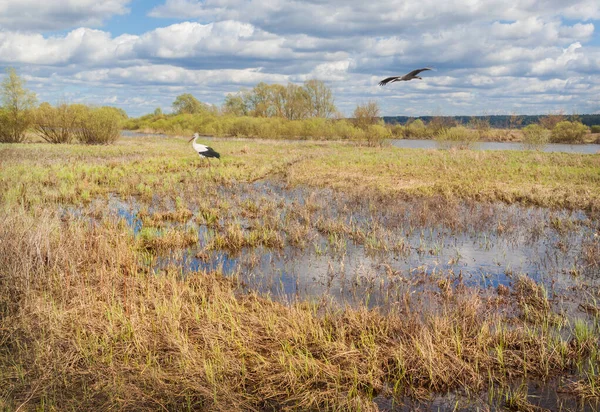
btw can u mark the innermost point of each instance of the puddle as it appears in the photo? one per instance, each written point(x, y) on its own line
point(368, 250)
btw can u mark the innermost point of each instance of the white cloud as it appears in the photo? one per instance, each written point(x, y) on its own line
point(347, 17)
point(489, 55)
point(177, 76)
point(29, 15)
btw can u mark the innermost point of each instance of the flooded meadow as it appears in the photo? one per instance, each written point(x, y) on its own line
point(299, 276)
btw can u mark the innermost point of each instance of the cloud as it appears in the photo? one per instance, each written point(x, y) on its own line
point(349, 17)
point(30, 15)
point(489, 55)
point(176, 76)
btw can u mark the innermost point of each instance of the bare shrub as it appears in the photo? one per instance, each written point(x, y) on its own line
point(439, 123)
point(366, 114)
point(535, 137)
point(457, 137)
point(481, 125)
point(551, 120)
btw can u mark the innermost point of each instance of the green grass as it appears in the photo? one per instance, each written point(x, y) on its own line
point(34, 173)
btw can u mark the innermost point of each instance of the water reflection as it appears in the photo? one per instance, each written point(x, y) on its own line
point(480, 244)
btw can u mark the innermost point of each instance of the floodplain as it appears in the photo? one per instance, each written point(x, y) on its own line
point(297, 276)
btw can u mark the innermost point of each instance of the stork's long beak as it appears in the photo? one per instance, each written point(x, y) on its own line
point(193, 137)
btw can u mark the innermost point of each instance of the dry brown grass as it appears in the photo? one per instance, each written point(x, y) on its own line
point(84, 326)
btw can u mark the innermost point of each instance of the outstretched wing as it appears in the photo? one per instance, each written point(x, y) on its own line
point(389, 79)
point(415, 72)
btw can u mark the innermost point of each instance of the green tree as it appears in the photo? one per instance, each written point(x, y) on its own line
point(236, 104)
point(17, 105)
point(320, 98)
point(188, 104)
point(366, 114)
point(297, 102)
point(261, 100)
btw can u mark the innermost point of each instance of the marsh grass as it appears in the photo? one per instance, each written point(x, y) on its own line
point(458, 137)
point(86, 323)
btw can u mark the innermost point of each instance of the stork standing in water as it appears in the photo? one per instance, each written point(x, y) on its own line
point(204, 152)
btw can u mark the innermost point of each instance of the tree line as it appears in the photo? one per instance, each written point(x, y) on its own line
point(511, 121)
point(62, 123)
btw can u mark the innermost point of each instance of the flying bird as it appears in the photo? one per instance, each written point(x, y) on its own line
point(204, 151)
point(406, 77)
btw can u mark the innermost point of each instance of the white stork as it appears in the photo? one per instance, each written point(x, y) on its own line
point(204, 151)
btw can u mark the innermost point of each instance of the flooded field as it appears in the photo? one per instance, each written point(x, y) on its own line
point(314, 244)
point(298, 276)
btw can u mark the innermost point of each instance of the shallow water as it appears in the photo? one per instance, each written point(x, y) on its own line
point(431, 144)
point(401, 248)
point(551, 147)
point(406, 247)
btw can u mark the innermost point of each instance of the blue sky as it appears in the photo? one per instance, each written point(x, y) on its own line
point(491, 56)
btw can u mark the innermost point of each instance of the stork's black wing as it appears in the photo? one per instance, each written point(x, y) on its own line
point(210, 152)
point(389, 79)
point(415, 72)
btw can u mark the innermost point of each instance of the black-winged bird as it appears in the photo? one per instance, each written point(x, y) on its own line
point(204, 151)
point(406, 77)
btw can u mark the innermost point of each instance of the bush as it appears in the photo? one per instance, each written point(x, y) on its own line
point(416, 129)
point(596, 129)
point(398, 131)
point(482, 126)
point(56, 124)
point(13, 126)
point(377, 134)
point(457, 137)
point(568, 132)
point(535, 137)
point(438, 124)
point(98, 126)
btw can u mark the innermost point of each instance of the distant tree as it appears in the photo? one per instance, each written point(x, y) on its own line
point(261, 100)
point(158, 112)
point(366, 114)
point(551, 120)
point(236, 104)
point(188, 104)
point(437, 124)
point(296, 103)
point(16, 111)
point(515, 121)
point(320, 98)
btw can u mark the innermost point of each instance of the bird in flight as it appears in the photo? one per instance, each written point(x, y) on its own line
point(406, 77)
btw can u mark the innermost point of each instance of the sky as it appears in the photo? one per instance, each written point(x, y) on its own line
point(490, 56)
